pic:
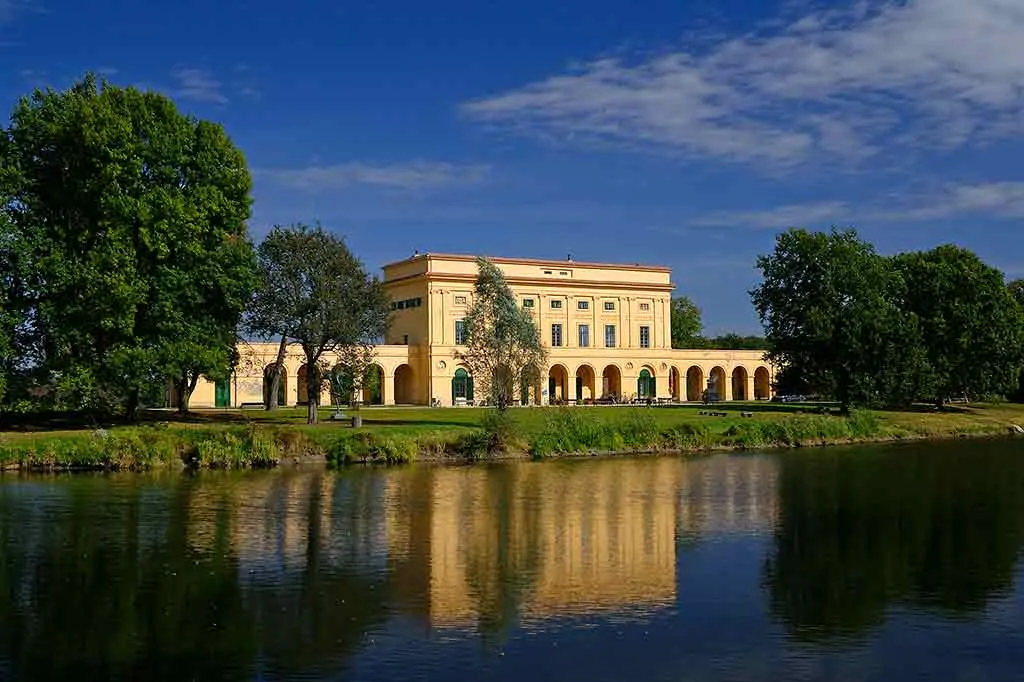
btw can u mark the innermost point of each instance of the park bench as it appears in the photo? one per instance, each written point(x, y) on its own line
point(251, 406)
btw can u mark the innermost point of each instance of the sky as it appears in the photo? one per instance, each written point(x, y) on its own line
point(686, 134)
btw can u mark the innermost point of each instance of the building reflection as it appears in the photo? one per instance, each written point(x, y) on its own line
point(462, 547)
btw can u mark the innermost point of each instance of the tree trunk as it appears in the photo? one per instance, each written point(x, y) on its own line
point(312, 387)
point(132, 406)
point(270, 400)
point(181, 385)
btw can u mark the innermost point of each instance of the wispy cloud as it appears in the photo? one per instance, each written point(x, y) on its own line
point(880, 74)
point(198, 85)
point(415, 175)
point(989, 200)
point(11, 9)
point(776, 217)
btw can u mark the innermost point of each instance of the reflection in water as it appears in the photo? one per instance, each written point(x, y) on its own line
point(938, 527)
point(615, 569)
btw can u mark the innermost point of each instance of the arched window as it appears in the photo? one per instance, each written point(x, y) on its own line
point(462, 385)
point(645, 385)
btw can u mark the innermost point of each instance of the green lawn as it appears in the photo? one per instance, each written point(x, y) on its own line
point(256, 437)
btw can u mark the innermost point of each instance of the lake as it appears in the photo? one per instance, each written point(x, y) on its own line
point(869, 563)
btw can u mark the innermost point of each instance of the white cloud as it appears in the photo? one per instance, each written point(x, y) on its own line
point(992, 200)
point(843, 84)
point(410, 176)
point(198, 85)
point(790, 215)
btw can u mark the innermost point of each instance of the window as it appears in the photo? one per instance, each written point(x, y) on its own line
point(609, 305)
point(584, 336)
point(547, 272)
point(564, 273)
point(407, 303)
point(645, 306)
point(583, 305)
point(527, 302)
point(556, 335)
point(556, 304)
point(460, 300)
point(645, 337)
point(609, 336)
point(460, 332)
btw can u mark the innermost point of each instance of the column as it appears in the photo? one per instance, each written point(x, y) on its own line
point(750, 386)
point(387, 391)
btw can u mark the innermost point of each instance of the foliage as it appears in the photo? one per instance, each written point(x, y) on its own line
point(736, 342)
point(972, 329)
point(502, 344)
point(686, 323)
point(353, 373)
point(313, 290)
point(829, 305)
point(127, 222)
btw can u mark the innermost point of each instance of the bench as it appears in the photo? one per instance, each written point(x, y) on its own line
point(746, 414)
point(251, 406)
point(714, 414)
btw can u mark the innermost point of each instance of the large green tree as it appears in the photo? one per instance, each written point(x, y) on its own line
point(130, 218)
point(972, 329)
point(827, 302)
point(314, 292)
point(502, 345)
point(1016, 289)
point(686, 324)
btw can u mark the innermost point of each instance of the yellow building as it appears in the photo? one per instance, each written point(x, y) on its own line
point(607, 328)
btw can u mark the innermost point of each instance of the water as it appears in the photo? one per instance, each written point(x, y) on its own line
point(888, 563)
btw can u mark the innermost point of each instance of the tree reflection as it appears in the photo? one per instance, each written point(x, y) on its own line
point(150, 585)
point(936, 527)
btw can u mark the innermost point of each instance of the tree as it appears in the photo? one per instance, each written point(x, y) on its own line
point(827, 305)
point(130, 220)
point(733, 341)
point(972, 328)
point(686, 323)
point(352, 372)
point(1016, 289)
point(502, 340)
point(314, 292)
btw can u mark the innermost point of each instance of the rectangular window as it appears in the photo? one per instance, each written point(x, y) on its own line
point(645, 337)
point(609, 305)
point(556, 303)
point(556, 335)
point(584, 336)
point(609, 336)
point(645, 306)
point(460, 300)
point(527, 302)
point(583, 305)
point(460, 332)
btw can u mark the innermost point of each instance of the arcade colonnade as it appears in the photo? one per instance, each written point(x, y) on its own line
point(405, 375)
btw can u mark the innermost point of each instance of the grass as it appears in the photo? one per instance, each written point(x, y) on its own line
point(232, 439)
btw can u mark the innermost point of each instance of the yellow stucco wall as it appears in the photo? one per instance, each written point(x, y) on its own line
point(432, 292)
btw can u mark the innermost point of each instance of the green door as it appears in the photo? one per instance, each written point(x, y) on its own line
point(645, 385)
point(462, 385)
point(222, 393)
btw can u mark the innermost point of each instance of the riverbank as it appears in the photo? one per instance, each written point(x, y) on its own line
point(233, 439)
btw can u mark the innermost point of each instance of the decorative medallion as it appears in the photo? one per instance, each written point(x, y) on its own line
point(629, 365)
point(441, 364)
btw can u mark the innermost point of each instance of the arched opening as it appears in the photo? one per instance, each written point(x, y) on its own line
point(268, 382)
point(222, 393)
point(611, 383)
point(462, 387)
point(405, 386)
point(302, 386)
point(558, 385)
point(645, 385)
point(716, 384)
point(694, 384)
point(674, 389)
point(340, 386)
point(762, 384)
point(373, 386)
point(585, 384)
point(739, 384)
point(529, 386)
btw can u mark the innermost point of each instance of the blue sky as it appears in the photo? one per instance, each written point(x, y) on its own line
point(678, 133)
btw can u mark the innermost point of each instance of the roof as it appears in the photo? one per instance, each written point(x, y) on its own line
point(534, 261)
